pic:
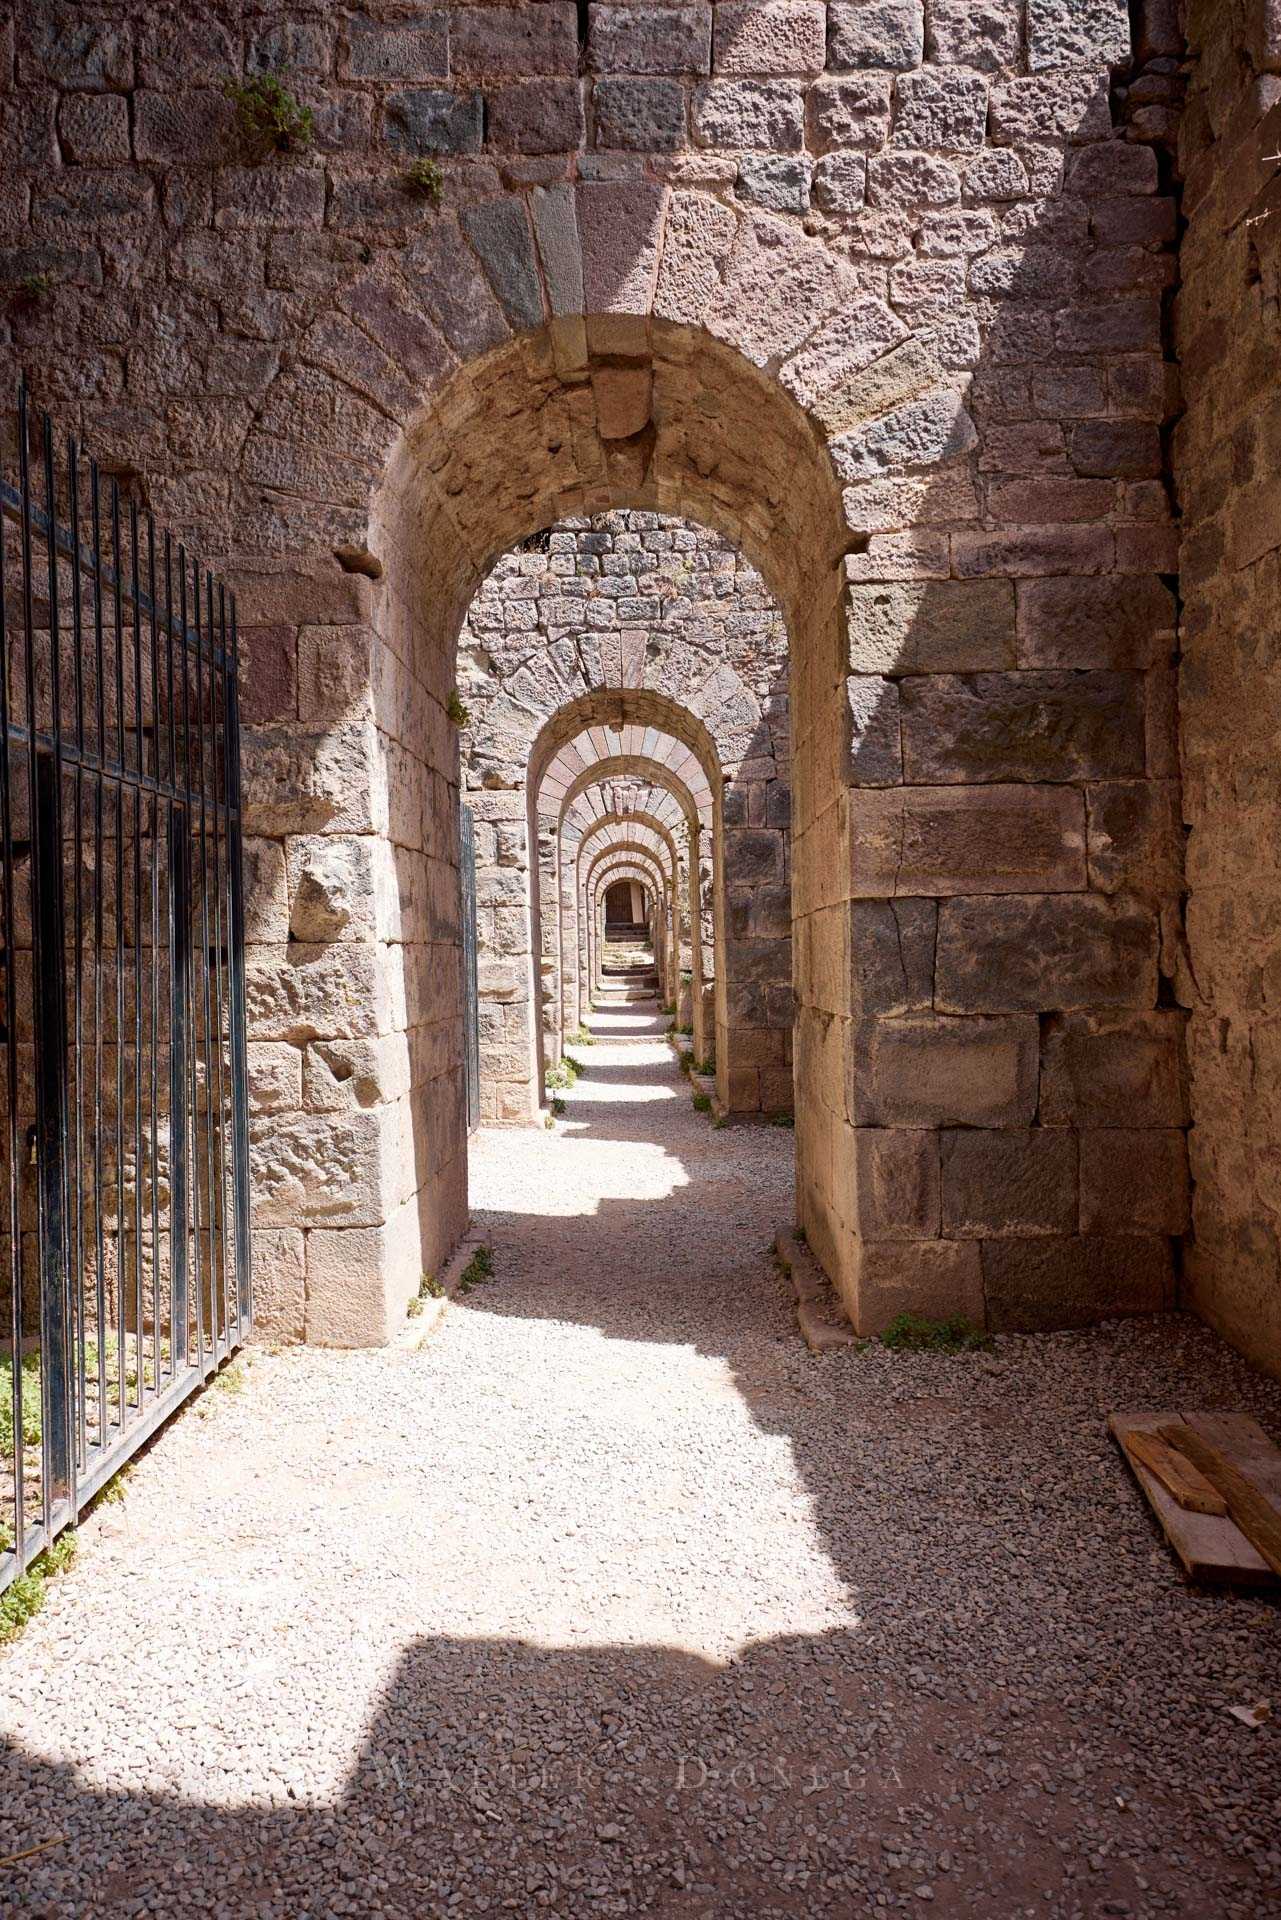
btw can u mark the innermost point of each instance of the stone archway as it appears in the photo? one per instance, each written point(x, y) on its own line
point(615, 344)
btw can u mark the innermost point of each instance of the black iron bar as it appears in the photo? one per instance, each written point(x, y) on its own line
point(17, 1548)
point(99, 940)
point(139, 1303)
point(77, 1046)
point(153, 817)
point(119, 1303)
point(191, 1092)
point(208, 1354)
point(239, 1058)
point(218, 1214)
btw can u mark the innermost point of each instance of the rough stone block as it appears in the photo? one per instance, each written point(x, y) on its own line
point(645, 116)
point(779, 181)
point(891, 958)
point(913, 179)
point(1116, 449)
point(1135, 833)
point(360, 1280)
point(851, 113)
point(313, 1170)
point(1022, 726)
point(1077, 33)
point(1035, 1285)
point(1000, 1181)
point(434, 120)
point(535, 116)
point(275, 1077)
point(939, 1279)
point(514, 40)
point(93, 128)
point(1056, 106)
point(840, 182)
point(931, 626)
point(874, 757)
point(1045, 953)
point(769, 37)
point(1114, 1070)
point(501, 236)
point(983, 34)
point(300, 993)
point(921, 433)
point(621, 226)
point(750, 113)
point(1095, 621)
point(896, 1183)
point(189, 128)
point(966, 840)
point(415, 49)
point(940, 111)
point(932, 1071)
point(331, 888)
point(279, 1284)
point(875, 33)
point(673, 40)
point(1134, 1182)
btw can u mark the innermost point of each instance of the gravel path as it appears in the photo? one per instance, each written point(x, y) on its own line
point(611, 1599)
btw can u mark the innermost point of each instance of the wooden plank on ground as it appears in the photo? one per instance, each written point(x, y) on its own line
point(1176, 1473)
point(1252, 1511)
point(1209, 1546)
point(1242, 1440)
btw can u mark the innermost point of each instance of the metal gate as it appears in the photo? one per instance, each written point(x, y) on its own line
point(471, 986)
point(124, 1225)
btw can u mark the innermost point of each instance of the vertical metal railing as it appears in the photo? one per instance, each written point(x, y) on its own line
point(124, 1242)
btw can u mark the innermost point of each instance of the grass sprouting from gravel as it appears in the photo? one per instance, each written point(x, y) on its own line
point(479, 1271)
point(25, 1596)
point(913, 1333)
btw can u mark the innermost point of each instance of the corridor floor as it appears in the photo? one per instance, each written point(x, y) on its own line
point(610, 1599)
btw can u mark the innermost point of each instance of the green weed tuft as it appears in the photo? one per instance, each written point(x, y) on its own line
point(914, 1333)
point(268, 117)
point(424, 178)
point(457, 712)
point(25, 1596)
point(479, 1271)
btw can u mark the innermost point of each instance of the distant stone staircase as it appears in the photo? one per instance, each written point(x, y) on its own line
point(627, 965)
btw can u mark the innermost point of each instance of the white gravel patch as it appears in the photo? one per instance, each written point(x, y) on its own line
point(611, 1599)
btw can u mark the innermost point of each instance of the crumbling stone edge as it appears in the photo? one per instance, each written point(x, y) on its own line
point(819, 1313)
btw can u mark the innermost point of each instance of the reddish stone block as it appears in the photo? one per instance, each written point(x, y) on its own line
point(1035, 1285)
point(998, 1182)
point(268, 674)
point(932, 1071)
point(964, 840)
point(896, 1183)
point(1095, 622)
point(1134, 1182)
point(536, 116)
point(514, 40)
point(1021, 726)
point(769, 37)
point(1044, 953)
point(1114, 1070)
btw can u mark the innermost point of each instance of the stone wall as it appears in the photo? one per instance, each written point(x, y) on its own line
point(875, 292)
point(631, 601)
point(1227, 460)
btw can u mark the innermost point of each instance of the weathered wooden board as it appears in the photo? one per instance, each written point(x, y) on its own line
point(1175, 1472)
point(1250, 1508)
point(1210, 1546)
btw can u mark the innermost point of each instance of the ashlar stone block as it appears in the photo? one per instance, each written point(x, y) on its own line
point(929, 1070)
point(1045, 952)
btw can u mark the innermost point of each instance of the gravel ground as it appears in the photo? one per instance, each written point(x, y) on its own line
point(611, 1599)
